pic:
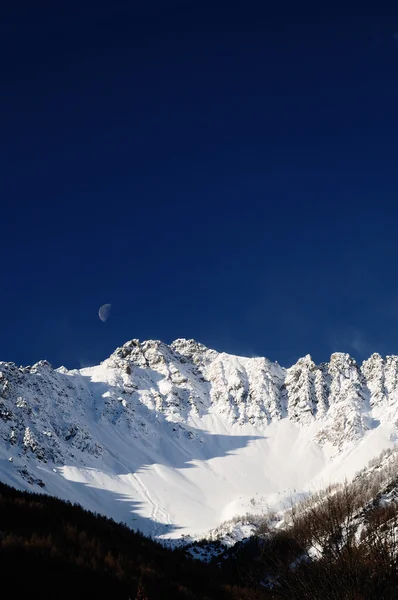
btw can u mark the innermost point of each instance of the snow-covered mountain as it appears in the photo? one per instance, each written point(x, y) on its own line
point(175, 439)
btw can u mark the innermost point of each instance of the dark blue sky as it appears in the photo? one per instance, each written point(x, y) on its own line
point(222, 171)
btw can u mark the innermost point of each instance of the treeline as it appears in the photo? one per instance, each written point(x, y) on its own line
point(338, 544)
point(53, 549)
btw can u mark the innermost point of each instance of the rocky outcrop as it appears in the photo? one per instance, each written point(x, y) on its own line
point(48, 413)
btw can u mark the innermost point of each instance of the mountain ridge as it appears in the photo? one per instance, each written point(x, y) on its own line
point(162, 426)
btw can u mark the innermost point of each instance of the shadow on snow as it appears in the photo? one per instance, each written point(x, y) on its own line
point(133, 439)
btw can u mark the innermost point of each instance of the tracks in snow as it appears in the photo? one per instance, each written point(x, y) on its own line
point(159, 516)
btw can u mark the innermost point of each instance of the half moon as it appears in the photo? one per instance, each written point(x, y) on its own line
point(104, 312)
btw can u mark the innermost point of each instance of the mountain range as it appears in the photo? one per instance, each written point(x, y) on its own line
point(175, 439)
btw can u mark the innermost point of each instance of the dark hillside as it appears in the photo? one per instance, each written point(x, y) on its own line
point(53, 549)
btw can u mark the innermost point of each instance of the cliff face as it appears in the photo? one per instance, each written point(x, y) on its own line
point(43, 410)
point(153, 396)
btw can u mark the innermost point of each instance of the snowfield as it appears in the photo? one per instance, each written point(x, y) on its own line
point(174, 440)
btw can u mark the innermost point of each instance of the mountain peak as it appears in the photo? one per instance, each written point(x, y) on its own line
point(154, 418)
point(188, 347)
point(305, 360)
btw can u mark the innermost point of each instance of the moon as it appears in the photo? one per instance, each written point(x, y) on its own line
point(104, 312)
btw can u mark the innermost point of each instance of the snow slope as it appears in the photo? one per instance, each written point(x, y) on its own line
point(173, 440)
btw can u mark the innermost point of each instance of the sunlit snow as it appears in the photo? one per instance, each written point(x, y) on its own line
point(174, 440)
